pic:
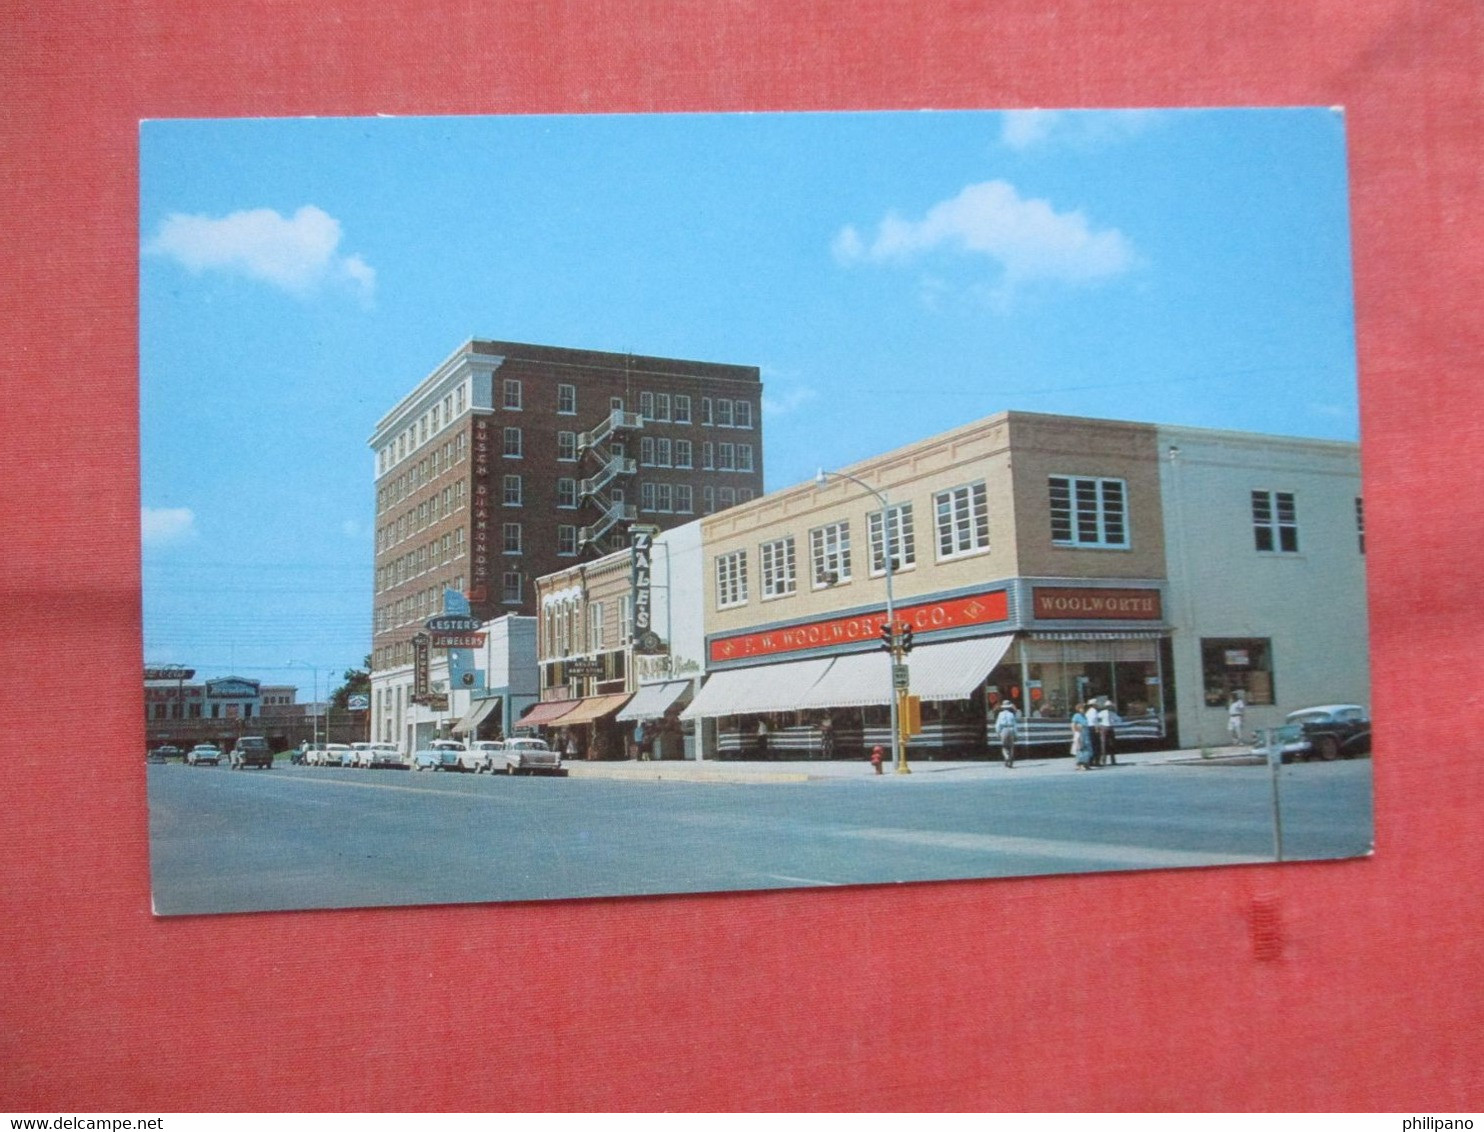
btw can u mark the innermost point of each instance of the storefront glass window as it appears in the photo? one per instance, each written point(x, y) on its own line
point(1232, 663)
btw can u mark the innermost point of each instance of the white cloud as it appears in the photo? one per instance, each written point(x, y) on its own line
point(166, 524)
point(780, 405)
point(298, 254)
point(1078, 129)
point(1028, 238)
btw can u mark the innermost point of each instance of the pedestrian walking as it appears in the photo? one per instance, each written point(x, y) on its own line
point(1100, 717)
point(1081, 737)
point(639, 740)
point(1236, 716)
point(827, 737)
point(1004, 725)
point(762, 738)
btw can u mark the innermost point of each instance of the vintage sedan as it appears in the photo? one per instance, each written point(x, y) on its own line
point(1328, 731)
point(531, 756)
point(483, 755)
point(440, 754)
point(164, 754)
point(372, 756)
point(203, 753)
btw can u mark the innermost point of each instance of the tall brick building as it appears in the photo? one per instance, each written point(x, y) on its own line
point(510, 461)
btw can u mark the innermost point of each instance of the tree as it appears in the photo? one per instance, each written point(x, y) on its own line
point(355, 682)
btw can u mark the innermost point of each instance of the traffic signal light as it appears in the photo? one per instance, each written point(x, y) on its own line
point(888, 636)
point(906, 637)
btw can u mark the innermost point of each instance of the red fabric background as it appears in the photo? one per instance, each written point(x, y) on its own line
point(1320, 986)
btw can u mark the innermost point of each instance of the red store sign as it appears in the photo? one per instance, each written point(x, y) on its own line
point(978, 609)
point(1066, 604)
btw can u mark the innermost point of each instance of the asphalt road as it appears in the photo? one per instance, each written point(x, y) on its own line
point(313, 837)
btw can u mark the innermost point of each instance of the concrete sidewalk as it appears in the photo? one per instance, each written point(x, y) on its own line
point(923, 769)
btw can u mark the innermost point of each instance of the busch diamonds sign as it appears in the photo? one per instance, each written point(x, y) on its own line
point(479, 513)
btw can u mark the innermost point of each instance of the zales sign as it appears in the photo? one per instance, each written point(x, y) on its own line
point(1065, 604)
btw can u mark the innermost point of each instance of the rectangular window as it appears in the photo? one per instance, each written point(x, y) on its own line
point(646, 406)
point(682, 453)
point(664, 497)
point(1232, 664)
point(682, 408)
point(708, 499)
point(744, 457)
point(963, 520)
point(684, 499)
point(726, 496)
point(706, 412)
point(566, 399)
point(726, 458)
point(567, 446)
point(615, 404)
point(512, 491)
point(512, 394)
point(664, 452)
point(513, 446)
point(744, 495)
point(512, 538)
point(511, 588)
point(900, 537)
point(1087, 511)
point(566, 540)
point(708, 455)
point(742, 412)
point(646, 497)
point(723, 413)
point(662, 406)
point(1275, 521)
point(646, 451)
point(595, 627)
point(731, 579)
point(1360, 523)
point(829, 554)
point(566, 492)
point(776, 565)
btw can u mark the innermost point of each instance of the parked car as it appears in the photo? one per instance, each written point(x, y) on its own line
point(373, 755)
point(203, 753)
point(164, 754)
point(531, 756)
point(440, 754)
point(1329, 731)
point(340, 754)
point(483, 755)
point(252, 750)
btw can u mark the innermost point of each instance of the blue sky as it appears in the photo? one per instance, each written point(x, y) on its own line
point(893, 276)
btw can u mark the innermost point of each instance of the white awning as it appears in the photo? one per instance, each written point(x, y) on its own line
point(475, 715)
point(857, 680)
point(953, 669)
point(751, 691)
point(652, 700)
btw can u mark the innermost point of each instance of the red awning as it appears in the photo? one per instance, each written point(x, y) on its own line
point(544, 713)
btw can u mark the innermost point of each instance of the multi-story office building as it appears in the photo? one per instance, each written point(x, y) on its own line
point(510, 461)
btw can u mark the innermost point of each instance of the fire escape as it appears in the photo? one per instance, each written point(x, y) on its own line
point(607, 531)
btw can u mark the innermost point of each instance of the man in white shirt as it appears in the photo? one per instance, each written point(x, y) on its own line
point(1004, 725)
point(1236, 715)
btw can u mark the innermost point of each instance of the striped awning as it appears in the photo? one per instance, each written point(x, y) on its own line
point(592, 708)
point(652, 700)
point(752, 691)
point(950, 670)
point(545, 713)
point(475, 715)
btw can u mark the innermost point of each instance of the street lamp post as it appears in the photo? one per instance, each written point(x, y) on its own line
point(314, 705)
point(898, 749)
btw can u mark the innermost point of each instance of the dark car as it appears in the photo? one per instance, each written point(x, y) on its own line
point(1329, 731)
point(252, 750)
point(164, 754)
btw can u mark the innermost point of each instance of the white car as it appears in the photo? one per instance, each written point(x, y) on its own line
point(203, 753)
point(483, 755)
point(531, 756)
point(369, 756)
point(329, 754)
point(440, 754)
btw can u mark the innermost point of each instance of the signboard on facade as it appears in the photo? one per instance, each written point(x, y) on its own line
point(953, 613)
point(643, 551)
point(1064, 603)
point(443, 640)
point(169, 672)
point(421, 679)
point(231, 689)
point(582, 666)
point(358, 703)
point(453, 623)
point(479, 513)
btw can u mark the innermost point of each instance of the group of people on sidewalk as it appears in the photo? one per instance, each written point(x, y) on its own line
point(1092, 733)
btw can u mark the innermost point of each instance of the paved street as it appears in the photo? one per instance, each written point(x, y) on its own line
point(310, 837)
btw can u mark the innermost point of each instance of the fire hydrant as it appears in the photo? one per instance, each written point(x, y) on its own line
point(876, 758)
